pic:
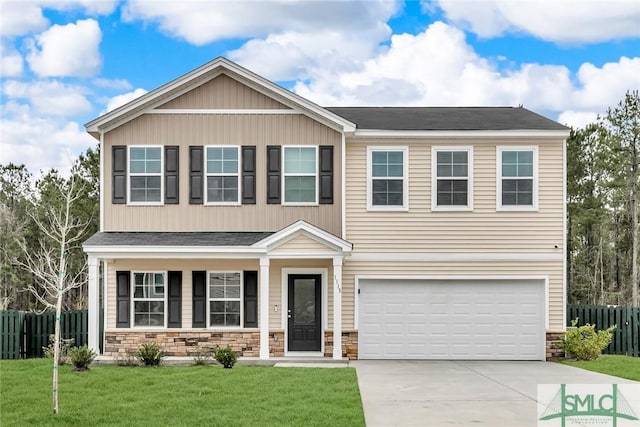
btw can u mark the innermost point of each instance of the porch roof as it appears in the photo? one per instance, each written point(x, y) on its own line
point(222, 238)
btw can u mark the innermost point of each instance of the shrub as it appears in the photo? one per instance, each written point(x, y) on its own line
point(65, 345)
point(225, 356)
point(81, 357)
point(584, 342)
point(150, 354)
point(201, 356)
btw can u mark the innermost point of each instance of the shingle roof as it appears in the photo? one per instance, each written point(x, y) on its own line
point(176, 239)
point(446, 118)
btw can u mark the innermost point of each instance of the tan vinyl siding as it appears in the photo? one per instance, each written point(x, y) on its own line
point(223, 92)
point(482, 230)
point(206, 129)
point(553, 269)
point(302, 244)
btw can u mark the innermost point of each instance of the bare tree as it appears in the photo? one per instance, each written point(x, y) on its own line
point(49, 265)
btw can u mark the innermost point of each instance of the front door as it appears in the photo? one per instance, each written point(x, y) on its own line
point(304, 312)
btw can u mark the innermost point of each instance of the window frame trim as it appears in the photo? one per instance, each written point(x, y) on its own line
point(165, 299)
point(434, 178)
point(161, 175)
point(241, 299)
point(284, 175)
point(517, 208)
point(206, 175)
point(404, 149)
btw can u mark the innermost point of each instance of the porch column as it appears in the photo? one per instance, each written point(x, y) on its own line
point(337, 308)
point(93, 300)
point(264, 308)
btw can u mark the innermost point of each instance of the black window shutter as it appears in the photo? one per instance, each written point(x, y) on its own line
point(175, 299)
point(199, 313)
point(326, 174)
point(119, 173)
point(250, 299)
point(273, 174)
point(171, 174)
point(123, 300)
point(249, 174)
point(196, 174)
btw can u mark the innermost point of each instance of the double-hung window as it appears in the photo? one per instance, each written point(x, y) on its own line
point(145, 174)
point(517, 185)
point(300, 183)
point(387, 178)
point(149, 299)
point(225, 299)
point(452, 184)
point(222, 169)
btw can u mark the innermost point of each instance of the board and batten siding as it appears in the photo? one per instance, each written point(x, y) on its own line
point(186, 130)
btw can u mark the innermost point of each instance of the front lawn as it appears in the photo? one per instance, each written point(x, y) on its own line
point(620, 366)
point(174, 396)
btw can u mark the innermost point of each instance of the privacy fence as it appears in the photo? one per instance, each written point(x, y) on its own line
point(626, 337)
point(24, 334)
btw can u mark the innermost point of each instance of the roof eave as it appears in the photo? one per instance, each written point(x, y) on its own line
point(514, 133)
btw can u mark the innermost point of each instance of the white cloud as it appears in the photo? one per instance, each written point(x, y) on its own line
point(561, 21)
point(118, 84)
point(200, 22)
point(120, 100)
point(67, 50)
point(90, 7)
point(20, 17)
point(10, 61)
point(50, 97)
point(577, 119)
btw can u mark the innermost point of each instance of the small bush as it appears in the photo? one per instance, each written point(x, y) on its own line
point(584, 342)
point(201, 356)
point(225, 356)
point(150, 354)
point(65, 345)
point(81, 357)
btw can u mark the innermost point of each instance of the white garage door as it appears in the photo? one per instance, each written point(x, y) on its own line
point(451, 319)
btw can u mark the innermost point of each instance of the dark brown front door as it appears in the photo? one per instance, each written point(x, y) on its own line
point(304, 312)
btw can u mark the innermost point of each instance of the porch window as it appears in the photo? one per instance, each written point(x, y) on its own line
point(300, 175)
point(222, 169)
point(145, 174)
point(225, 298)
point(149, 299)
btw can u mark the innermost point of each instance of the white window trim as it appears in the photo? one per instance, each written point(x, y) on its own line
point(284, 175)
point(516, 208)
point(405, 179)
point(434, 178)
point(207, 175)
point(161, 175)
point(208, 307)
point(134, 299)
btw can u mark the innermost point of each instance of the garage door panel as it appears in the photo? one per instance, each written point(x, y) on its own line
point(449, 319)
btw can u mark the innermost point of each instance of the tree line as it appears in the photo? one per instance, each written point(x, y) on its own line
point(602, 215)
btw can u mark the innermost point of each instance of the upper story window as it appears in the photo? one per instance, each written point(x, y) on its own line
point(149, 299)
point(387, 178)
point(145, 174)
point(300, 175)
point(517, 172)
point(225, 298)
point(452, 184)
point(222, 170)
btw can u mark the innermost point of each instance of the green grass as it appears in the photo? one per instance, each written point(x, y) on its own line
point(619, 366)
point(179, 396)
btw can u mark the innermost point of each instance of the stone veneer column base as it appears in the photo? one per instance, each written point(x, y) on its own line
point(349, 344)
point(554, 349)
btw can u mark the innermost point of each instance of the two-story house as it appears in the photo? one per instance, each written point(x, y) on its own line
point(233, 211)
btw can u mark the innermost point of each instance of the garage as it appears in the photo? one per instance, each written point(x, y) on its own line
point(451, 319)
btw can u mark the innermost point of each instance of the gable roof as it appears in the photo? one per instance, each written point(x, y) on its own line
point(446, 118)
point(203, 74)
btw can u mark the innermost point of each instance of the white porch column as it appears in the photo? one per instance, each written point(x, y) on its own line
point(264, 308)
point(337, 308)
point(93, 299)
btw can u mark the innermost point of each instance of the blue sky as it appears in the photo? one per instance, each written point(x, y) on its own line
point(64, 63)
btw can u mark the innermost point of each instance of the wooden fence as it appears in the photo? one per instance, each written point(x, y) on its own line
point(626, 337)
point(24, 334)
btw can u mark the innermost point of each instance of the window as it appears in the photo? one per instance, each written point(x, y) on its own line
point(148, 299)
point(222, 169)
point(387, 183)
point(452, 183)
point(300, 174)
point(224, 299)
point(517, 178)
point(145, 174)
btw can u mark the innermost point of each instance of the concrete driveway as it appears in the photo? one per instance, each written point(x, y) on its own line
point(443, 393)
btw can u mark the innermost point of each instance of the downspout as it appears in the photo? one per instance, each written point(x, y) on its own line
point(343, 184)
